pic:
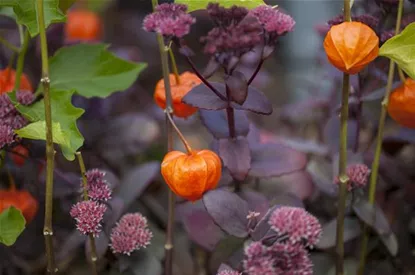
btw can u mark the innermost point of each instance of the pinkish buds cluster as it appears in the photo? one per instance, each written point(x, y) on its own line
point(10, 118)
point(296, 226)
point(279, 258)
point(358, 175)
point(97, 187)
point(169, 20)
point(130, 234)
point(88, 216)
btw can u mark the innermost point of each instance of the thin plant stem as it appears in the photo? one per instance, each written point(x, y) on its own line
point(341, 208)
point(20, 60)
point(9, 45)
point(378, 147)
point(204, 80)
point(93, 253)
point(179, 133)
point(168, 246)
point(258, 68)
point(50, 152)
point(401, 75)
point(174, 66)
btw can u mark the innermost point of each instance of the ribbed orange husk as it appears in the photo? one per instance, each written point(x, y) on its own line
point(401, 106)
point(22, 200)
point(83, 25)
point(191, 175)
point(350, 46)
point(8, 78)
point(188, 80)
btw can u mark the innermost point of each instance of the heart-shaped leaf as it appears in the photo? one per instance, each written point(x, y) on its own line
point(91, 70)
point(26, 13)
point(401, 49)
point(217, 123)
point(12, 224)
point(203, 98)
point(238, 87)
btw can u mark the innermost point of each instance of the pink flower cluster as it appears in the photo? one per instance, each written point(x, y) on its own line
point(10, 118)
point(88, 216)
point(358, 175)
point(97, 187)
point(130, 234)
point(296, 226)
point(273, 20)
point(279, 258)
point(170, 20)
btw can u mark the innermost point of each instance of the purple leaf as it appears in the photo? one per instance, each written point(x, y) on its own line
point(332, 133)
point(238, 87)
point(211, 68)
point(217, 123)
point(372, 215)
point(199, 225)
point(263, 227)
point(378, 94)
point(306, 110)
point(236, 156)
point(276, 159)
point(328, 239)
point(116, 207)
point(256, 202)
point(391, 243)
point(255, 102)
point(203, 98)
point(306, 146)
point(136, 181)
point(228, 211)
point(321, 173)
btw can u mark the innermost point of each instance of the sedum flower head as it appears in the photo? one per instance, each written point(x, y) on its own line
point(296, 225)
point(97, 187)
point(358, 175)
point(130, 234)
point(280, 258)
point(170, 20)
point(8, 113)
point(273, 21)
point(7, 135)
point(88, 216)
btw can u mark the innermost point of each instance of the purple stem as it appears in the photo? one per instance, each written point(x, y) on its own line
point(256, 71)
point(221, 96)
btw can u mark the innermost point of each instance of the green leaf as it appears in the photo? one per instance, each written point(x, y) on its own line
point(12, 224)
point(401, 49)
point(64, 116)
point(64, 5)
point(26, 13)
point(201, 4)
point(91, 70)
point(37, 130)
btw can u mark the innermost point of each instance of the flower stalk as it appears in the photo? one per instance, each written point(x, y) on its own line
point(179, 133)
point(50, 152)
point(174, 66)
point(168, 246)
point(378, 147)
point(341, 207)
point(93, 253)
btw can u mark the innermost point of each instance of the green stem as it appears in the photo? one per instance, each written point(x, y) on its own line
point(174, 66)
point(341, 208)
point(20, 60)
point(378, 149)
point(50, 152)
point(401, 75)
point(9, 45)
point(179, 133)
point(168, 246)
point(93, 255)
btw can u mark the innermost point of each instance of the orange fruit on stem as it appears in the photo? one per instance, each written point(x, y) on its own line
point(350, 46)
point(22, 200)
point(401, 104)
point(19, 155)
point(188, 80)
point(8, 78)
point(83, 25)
point(191, 175)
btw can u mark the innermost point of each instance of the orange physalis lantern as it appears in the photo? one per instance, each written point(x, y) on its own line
point(401, 104)
point(178, 91)
point(350, 46)
point(22, 200)
point(8, 78)
point(191, 175)
point(83, 25)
